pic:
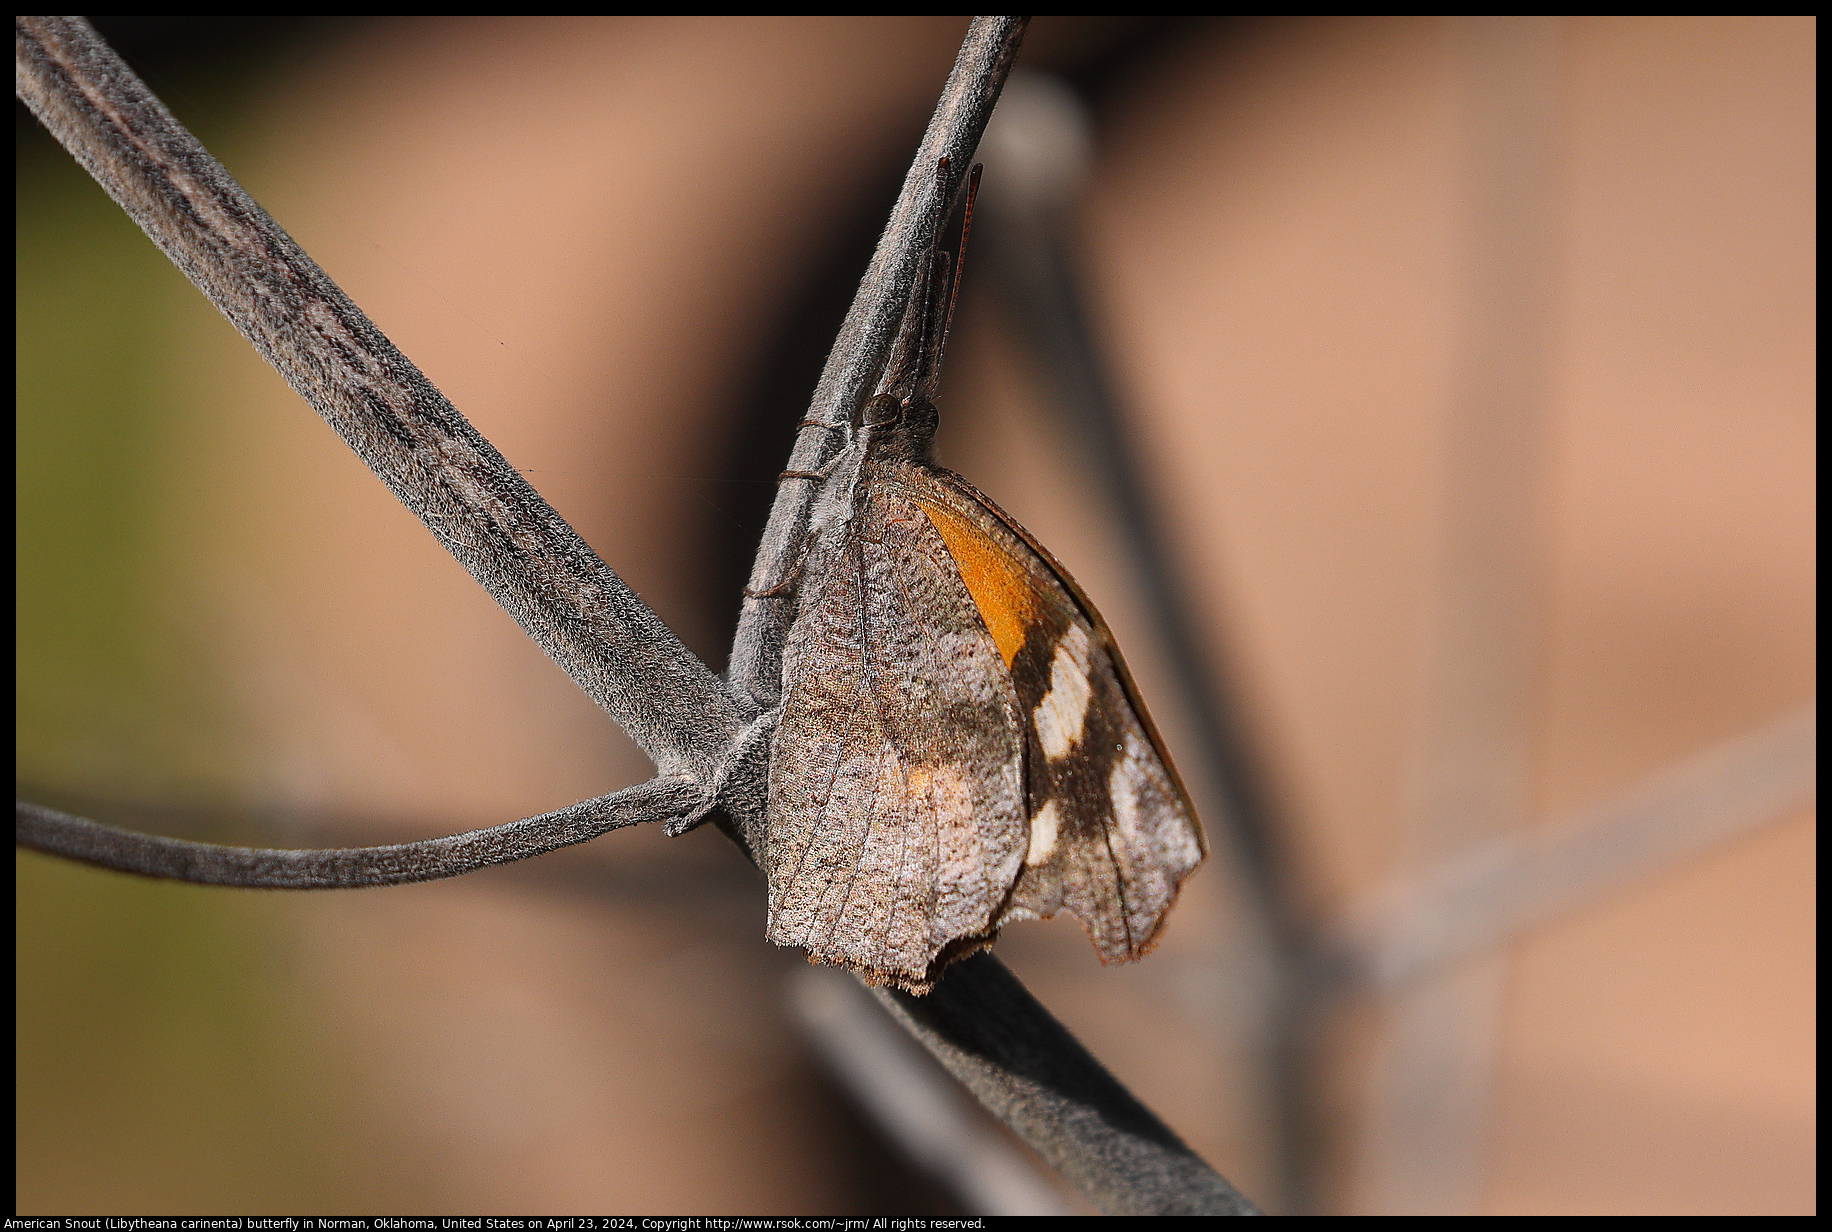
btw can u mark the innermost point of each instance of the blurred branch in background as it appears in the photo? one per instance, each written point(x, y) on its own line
point(912, 1101)
point(1424, 1148)
point(1040, 147)
point(1478, 901)
point(1040, 150)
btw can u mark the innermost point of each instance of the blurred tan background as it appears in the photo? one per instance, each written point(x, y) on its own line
point(618, 247)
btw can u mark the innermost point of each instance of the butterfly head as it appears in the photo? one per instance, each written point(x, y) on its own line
point(900, 430)
point(900, 421)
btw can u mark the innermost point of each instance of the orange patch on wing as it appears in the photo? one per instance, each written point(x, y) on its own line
point(995, 580)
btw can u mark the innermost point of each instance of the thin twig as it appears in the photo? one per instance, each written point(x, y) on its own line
point(1483, 899)
point(474, 503)
point(865, 339)
point(349, 868)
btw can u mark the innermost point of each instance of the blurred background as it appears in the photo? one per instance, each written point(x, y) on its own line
point(1467, 373)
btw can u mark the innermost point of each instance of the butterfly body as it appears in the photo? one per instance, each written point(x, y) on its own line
point(960, 744)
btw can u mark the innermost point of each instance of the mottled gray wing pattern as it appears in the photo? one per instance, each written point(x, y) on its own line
point(1111, 832)
point(897, 820)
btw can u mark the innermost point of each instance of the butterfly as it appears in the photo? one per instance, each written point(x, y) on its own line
point(960, 745)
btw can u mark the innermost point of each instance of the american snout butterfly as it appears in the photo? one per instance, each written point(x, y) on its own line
point(960, 744)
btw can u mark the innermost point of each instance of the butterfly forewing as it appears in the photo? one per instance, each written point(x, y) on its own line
point(1111, 833)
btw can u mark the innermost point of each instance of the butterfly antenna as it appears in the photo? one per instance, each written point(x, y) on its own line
point(916, 332)
point(931, 374)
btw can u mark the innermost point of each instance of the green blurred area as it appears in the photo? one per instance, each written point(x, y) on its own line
point(164, 1060)
point(112, 694)
point(161, 1066)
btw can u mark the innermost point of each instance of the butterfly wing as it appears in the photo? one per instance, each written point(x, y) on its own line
point(1111, 831)
point(897, 820)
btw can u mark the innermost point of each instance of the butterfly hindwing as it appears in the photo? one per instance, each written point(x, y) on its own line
point(897, 814)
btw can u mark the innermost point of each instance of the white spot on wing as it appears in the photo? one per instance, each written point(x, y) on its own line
point(1145, 807)
point(1063, 712)
point(1124, 786)
point(1043, 834)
